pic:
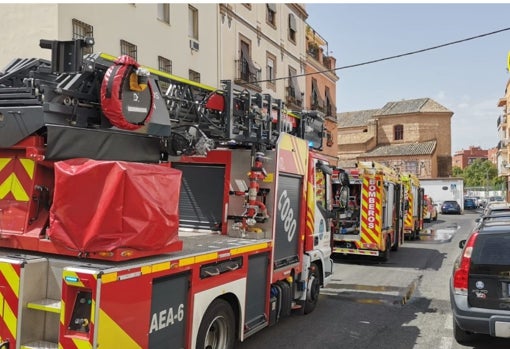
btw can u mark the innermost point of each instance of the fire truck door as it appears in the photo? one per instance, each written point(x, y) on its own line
point(288, 204)
point(390, 204)
point(169, 311)
point(256, 292)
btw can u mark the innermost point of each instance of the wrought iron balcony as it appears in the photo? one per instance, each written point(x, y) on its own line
point(246, 76)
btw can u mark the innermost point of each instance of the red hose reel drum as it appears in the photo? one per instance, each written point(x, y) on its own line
point(127, 99)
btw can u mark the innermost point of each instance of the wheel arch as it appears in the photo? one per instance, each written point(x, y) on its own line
point(203, 300)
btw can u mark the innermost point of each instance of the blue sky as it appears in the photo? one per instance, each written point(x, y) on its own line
point(468, 78)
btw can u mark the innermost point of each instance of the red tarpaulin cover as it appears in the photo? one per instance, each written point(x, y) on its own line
point(103, 205)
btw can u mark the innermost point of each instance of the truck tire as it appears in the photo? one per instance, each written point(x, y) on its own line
point(313, 289)
point(396, 245)
point(385, 256)
point(217, 329)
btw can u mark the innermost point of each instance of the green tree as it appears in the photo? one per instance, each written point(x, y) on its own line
point(457, 172)
point(480, 173)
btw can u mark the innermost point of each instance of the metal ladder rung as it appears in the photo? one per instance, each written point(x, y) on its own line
point(40, 345)
point(49, 305)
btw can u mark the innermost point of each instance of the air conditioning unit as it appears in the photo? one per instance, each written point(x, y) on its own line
point(194, 45)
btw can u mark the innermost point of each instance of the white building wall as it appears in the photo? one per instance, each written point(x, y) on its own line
point(219, 36)
point(442, 189)
point(23, 25)
point(136, 23)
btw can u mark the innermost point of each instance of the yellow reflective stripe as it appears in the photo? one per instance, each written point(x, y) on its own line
point(4, 162)
point(172, 77)
point(5, 187)
point(10, 318)
point(82, 343)
point(12, 277)
point(17, 189)
point(29, 166)
point(12, 184)
point(250, 248)
point(111, 335)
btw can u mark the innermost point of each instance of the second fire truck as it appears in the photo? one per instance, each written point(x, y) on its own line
point(368, 211)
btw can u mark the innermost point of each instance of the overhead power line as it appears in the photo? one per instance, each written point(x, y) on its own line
point(393, 57)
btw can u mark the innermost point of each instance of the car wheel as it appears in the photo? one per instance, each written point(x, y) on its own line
point(461, 336)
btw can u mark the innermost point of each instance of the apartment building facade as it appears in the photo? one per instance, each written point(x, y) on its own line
point(502, 153)
point(465, 157)
point(262, 47)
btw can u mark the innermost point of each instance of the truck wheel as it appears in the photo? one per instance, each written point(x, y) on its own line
point(385, 256)
point(396, 246)
point(313, 289)
point(217, 329)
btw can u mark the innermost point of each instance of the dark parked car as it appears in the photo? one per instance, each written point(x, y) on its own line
point(480, 283)
point(450, 207)
point(470, 204)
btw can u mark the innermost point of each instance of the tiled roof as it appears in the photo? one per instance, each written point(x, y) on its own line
point(423, 148)
point(420, 105)
point(358, 138)
point(361, 117)
point(355, 118)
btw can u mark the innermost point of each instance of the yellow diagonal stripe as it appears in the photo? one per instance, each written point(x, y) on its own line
point(4, 162)
point(9, 317)
point(111, 335)
point(12, 184)
point(12, 277)
point(82, 343)
point(29, 166)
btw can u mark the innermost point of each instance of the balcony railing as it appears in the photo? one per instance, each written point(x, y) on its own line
point(293, 100)
point(502, 120)
point(245, 76)
point(317, 105)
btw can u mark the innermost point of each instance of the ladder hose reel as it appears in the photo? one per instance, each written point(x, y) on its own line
point(127, 97)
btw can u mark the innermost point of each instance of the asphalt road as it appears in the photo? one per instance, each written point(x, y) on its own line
point(401, 304)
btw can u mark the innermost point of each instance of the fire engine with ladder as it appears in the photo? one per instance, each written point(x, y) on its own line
point(368, 210)
point(142, 210)
point(413, 204)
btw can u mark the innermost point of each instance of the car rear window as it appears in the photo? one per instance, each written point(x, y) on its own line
point(492, 249)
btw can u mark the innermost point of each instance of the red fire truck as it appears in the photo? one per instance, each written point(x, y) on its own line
point(141, 210)
point(369, 211)
point(413, 203)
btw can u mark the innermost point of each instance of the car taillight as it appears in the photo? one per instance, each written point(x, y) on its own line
point(461, 274)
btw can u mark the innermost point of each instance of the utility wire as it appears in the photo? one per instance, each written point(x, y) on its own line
point(391, 57)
